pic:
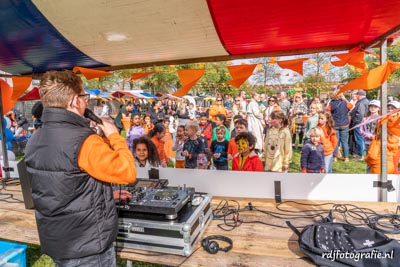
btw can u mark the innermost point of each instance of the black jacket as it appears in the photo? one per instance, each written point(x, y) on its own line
point(358, 112)
point(75, 213)
point(312, 157)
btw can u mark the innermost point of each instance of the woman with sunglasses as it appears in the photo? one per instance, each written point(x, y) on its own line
point(217, 108)
point(236, 110)
point(298, 110)
point(272, 105)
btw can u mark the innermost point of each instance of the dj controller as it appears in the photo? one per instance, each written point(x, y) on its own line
point(162, 218)
point(153, 196)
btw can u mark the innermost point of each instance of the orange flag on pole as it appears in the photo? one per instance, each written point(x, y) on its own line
point(20, 84)
point(90, 73)
point(188, 79)
point(371, 79)
point(240, 74)
point(293, 64)
point(138, 75)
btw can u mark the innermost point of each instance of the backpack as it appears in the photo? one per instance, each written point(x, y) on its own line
point(338, 245)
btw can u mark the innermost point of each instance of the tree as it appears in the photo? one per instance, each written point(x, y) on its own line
point(268, 73)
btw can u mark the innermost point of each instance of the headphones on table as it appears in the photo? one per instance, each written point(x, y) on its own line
point(212, 247)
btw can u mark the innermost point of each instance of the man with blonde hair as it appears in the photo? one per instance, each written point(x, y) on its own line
point(71, 171)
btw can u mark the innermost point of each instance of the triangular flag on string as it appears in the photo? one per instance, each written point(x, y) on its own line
point(188, 79)
point(20, 84)
point(240, 74)
point(6, 92)
point(293, 64)
point(354, 58)
point(90, 73)
point(273, 60)
point(138, 75)
point(371, 79)
point(326, 67)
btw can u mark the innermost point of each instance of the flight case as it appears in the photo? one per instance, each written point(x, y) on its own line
point(156, 233)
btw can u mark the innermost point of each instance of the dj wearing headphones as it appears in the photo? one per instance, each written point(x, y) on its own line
point(213, 247)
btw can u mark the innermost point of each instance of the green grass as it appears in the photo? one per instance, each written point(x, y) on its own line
point(35, 258)
point(338, 167)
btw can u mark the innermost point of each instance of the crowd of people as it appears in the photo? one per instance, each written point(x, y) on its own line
point(262, 129)
point(73, 169)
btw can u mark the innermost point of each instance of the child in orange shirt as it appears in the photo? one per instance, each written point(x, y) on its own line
point(178, 147)
point(329, 139)
point(157, 135)
point(168, 142)
point(147, 124)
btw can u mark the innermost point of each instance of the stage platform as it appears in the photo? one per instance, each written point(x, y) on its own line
point(255, 244)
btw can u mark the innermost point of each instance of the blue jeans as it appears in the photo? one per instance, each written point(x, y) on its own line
point(359, 141)
point(328, 163)
point(105, 259)
point(342, 135)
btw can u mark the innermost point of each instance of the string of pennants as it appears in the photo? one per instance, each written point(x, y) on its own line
point(239, 73)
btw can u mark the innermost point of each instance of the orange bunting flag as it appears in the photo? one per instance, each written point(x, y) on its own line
point(326, 67)
point(6, 92)
point(293, 64)
point(259, 67)
point(20, 84)
point(138, 75)
point(188, 79)
point(371, 79)
point(240, 74)
point(310, 61)
point(90, 73)
point(287, 74)
point(354, 58)
point(273, 60)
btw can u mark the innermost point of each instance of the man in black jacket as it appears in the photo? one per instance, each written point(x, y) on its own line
point(71, 171)
point(357, 114)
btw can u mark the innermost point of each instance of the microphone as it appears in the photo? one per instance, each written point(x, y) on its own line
point(90, 115)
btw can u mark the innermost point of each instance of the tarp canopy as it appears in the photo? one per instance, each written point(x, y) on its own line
point(93, 92)
point(133, 94)
point(39, 35)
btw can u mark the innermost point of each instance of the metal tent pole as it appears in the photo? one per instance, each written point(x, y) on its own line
point(5, 170)
point(383, 95)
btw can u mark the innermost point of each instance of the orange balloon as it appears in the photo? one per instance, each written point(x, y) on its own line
point(6, 93)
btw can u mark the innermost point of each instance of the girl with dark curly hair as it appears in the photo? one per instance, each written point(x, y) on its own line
point(145, 152)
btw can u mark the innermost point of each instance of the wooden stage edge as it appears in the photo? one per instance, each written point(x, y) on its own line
point(254, 244)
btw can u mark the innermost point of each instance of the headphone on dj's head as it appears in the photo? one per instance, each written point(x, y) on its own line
point(212, 247)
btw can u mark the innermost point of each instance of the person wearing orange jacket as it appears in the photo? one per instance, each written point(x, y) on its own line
point(71, 170)
point(217, 108)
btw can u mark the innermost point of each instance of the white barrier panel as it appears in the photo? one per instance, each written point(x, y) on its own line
point(351, 187)
point(14, 170)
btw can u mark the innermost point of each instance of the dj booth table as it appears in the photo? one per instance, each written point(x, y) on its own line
point(254, 244)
